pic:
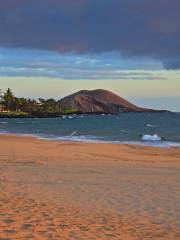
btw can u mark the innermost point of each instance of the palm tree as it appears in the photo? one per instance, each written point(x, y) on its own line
point(8, 99)
point(1, 94)
point(19, 104)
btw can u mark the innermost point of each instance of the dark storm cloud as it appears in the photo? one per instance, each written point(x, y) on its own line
point(133, 27)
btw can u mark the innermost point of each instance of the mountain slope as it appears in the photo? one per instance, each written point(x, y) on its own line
point(98, 101)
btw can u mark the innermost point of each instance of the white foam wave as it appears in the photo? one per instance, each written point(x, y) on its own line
point(150, 125)
point(95, 139)
point(160, 144)
point(153, 137)
point(2, 132)
point(73, 133)
point(80, 138)
point(122, 130)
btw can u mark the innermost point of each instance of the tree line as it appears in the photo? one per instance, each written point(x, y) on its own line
point(9, 102)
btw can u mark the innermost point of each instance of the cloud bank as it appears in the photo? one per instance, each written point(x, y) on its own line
point(131, 27)
point(106, 66)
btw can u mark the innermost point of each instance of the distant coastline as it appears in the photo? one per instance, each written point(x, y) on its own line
point(60, 115)
point(83, 102)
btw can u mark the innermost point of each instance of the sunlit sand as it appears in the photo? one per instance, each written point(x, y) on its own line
point(63, 190)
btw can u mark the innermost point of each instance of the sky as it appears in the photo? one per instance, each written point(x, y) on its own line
point(51, 48)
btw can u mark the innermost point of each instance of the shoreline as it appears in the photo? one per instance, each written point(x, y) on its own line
point(151, 144)
point(102, 146)
point(26, 115)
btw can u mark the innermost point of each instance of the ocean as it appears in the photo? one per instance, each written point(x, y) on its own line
point(153, 129)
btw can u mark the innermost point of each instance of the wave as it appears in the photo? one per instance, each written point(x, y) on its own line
point(3, 122)
point(81, 138)
point(161, 144)
point(150, 125)
point(3, 132)
point(97, 139)
point(153, 137)
point(93, 139)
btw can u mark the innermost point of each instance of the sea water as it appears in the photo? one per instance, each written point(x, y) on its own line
point(155, 129)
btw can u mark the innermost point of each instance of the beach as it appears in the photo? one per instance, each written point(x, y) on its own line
point(81, 191)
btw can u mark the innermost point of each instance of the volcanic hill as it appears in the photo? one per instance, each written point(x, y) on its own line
point(99, 101)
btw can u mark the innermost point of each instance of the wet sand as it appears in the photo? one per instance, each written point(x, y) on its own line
point(81, 191)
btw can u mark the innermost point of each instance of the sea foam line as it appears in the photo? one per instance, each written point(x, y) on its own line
point(94, 139)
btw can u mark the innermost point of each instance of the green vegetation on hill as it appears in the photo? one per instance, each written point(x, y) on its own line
point(70, 111)
point(12, 106)
point(12, 114)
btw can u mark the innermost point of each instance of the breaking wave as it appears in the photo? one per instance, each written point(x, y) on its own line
point(153, 137)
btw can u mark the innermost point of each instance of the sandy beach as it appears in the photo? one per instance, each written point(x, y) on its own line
point(81, 191)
